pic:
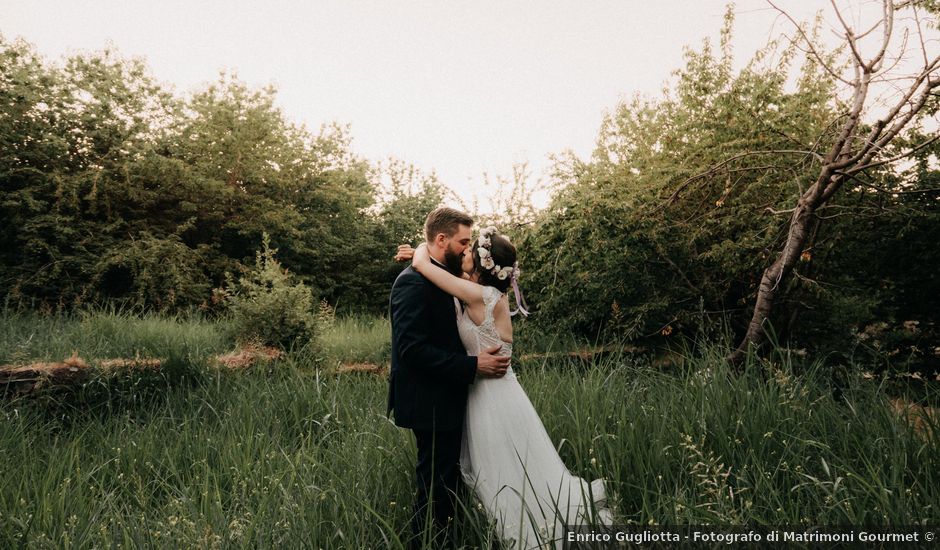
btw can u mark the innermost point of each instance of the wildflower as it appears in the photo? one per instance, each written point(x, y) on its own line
point(667, 330)
point(806, 256)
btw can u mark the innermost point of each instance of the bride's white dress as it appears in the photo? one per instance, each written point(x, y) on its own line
point(508, 458)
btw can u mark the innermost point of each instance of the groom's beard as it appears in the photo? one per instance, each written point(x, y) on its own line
point(453, 263)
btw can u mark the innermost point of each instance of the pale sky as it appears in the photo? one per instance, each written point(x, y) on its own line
point(461, 88)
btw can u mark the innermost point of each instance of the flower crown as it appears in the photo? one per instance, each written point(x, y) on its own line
point(502, 273)
point(486, 257)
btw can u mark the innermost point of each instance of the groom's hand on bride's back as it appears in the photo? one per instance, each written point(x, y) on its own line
point(492, 366)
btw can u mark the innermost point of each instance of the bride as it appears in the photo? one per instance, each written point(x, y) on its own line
point(506, 456)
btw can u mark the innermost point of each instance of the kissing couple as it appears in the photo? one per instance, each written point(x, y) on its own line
point(451, 383)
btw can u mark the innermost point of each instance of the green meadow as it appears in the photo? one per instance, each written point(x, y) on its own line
point(293, 454)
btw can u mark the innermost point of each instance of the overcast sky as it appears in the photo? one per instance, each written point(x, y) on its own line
point(459, 87)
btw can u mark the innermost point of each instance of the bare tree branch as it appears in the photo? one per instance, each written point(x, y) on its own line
point(864, 183)
point(809, 43)
point(849, 35)
point(776, 212)
point(850, 153)
point(895, 158)
point(920, 35)
point(888, 21)
point(879, 137)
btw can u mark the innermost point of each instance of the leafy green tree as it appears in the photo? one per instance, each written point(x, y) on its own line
point(119, 191)
point(73, 132)
point(405, 195)
point(620, 248)
point(687, 198)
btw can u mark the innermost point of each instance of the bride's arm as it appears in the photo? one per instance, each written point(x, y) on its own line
point(466, 290)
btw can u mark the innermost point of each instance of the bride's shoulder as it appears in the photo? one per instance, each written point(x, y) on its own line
point(502, 304)
point(491, 295)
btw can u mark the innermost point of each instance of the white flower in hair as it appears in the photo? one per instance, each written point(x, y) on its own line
point(504, 273)
point(487, 263)
point(483, 252)
point(485, 233)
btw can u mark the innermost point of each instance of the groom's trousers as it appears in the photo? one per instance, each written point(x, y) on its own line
point(438, 476)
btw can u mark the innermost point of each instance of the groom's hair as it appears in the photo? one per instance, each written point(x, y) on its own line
point(445, 220)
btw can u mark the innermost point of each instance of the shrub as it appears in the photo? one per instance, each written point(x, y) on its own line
point(267, 306)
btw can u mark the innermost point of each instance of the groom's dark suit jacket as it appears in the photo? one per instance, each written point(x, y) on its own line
point(431, 370)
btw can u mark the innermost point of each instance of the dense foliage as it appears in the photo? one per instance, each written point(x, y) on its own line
point(648, 238)
point(112, 189)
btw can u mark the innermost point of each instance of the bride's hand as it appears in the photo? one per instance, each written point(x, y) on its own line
point(405, 253)
point(421, 255)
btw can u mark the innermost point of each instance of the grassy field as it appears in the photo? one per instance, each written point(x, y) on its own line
point(291, 454)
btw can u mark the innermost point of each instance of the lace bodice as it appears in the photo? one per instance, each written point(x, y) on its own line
point(477, 338)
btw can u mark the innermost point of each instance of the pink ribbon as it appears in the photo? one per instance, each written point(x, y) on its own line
point(520, 301)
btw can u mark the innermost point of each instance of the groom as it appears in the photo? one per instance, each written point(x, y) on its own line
point(431, 370)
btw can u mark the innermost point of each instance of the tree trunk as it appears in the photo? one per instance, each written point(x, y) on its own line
point(775, 275)
point(852, 152)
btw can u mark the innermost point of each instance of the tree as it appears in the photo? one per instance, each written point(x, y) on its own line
point(850, 149)
point(70, 134)
point(114, 190)
point(609, 253)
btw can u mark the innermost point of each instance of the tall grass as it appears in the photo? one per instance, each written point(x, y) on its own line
point(702, 445)
point(291, 456)
point(106, 333)
point(357, 340)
